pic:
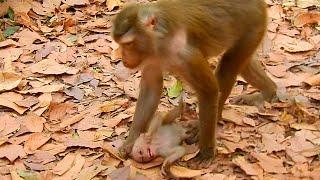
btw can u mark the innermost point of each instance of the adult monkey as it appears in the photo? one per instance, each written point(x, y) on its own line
point(179, 36)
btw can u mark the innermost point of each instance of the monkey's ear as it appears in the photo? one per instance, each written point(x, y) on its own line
point(151, 22)
point(147, 18)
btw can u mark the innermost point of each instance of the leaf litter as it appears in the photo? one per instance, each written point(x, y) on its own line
point(67, 101)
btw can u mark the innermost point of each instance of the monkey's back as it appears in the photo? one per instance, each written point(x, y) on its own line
point(213, 25)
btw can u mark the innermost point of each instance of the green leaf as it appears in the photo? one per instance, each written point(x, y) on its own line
point(10, 30)
point(11, 13)
point(175, 90)
point(28, 175)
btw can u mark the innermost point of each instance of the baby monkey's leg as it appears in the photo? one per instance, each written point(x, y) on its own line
point(172, 155)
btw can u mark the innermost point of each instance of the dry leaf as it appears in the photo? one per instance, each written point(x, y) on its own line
point(9, 42)
point(75, 2)
point(65, 164)
point(308, 17)
point(183, 172)
point(44, 89)
point(74, 171)
point(250, 169)
point(90, 172)
point(8, 99)
point(111, 4)
point(8, 124)
point(269, 164)
point(313, 80)
point(33, 122)
point(48, 66)
point(12, 151)
point(35, 141)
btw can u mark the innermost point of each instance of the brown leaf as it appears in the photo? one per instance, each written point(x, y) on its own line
point(8, 124)
point(58, 111)
point(27, 102)
point(183, 172)
point(154, 163)
point(74, 171)
point(271, 142)
point(65, 164)
point(308, 17)
point(48, 66)
point(27, 37)
point(12, 151)
point(7, 99)
point(270, 164)
point(90, 172)
point(35, 141)
point(33, 122)
point(44, 102)
point(101, 45)
point(112, 4)
point(9, 42)
point(9, 80)
point(249, 168)
point(44, 89)
point(84, 143)
point(76, 2)
point(313, 80)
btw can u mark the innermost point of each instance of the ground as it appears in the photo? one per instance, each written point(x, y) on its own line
point(66, 100)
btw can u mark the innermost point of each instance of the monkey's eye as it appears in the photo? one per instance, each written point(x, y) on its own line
point(140, 152)
point(128, 44)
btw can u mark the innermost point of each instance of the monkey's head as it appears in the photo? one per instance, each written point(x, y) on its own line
point(133, 29)
point(142, 151)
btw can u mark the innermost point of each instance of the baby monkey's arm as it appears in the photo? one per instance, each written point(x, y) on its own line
point(171, 155)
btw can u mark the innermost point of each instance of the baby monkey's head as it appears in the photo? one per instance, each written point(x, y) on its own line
point(142, 150)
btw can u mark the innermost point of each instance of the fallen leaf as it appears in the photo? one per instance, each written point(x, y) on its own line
point(154, 163)
point(271, 142)
point(33, 122)
point(249, 168)
point(12, 151)
point(44, 89)
point(270, 164)
point(298, 46)
point(74, 171)
point(27, 37)
point(112, 4)
point(48, 66)
point(9, 42)
point(309, 17)
point(91, 172)
point(8, 124)
point(27, 102)
point(8, 99)
point(44, 102)
point(65, 164)
point(183, 172)
point(75, 2)
point(35, 141)
point(313, 80)
point(75, 92)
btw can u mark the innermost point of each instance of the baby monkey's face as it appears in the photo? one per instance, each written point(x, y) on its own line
point(142, 151)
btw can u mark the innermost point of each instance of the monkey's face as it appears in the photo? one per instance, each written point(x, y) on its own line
point(142, 151)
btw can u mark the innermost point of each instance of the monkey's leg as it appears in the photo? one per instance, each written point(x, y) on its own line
point(258, 78)
point(149, 98)
point(172, 155)
point(199, 74)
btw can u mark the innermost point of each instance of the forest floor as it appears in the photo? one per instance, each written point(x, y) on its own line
point(66, 101)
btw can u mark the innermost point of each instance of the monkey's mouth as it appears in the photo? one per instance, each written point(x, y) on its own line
point(150, 153)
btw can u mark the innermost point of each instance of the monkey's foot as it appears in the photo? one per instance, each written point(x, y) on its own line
point(125, 149)
point(201, 161)
point(255, 99)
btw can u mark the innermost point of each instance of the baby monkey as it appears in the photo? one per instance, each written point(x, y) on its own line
point(163, 138)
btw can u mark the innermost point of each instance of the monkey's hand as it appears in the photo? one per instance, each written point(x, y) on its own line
point(255, 99)
point(126, 149)
point(202, 160)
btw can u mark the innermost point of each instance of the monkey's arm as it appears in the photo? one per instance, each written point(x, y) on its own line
point(172, 155)
point(149, 97)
